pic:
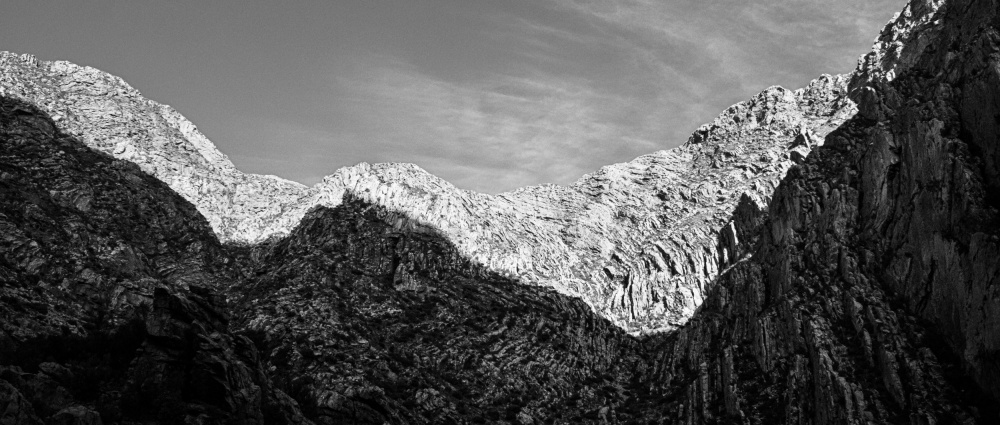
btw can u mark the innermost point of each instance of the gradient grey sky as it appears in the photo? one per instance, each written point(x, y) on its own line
point(488, 94)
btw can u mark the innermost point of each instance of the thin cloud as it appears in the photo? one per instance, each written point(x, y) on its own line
point(749, 41)
point(489, 95)
point(589, 84)
point(516, 130)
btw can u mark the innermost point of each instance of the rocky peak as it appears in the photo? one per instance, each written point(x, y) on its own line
point(869, 296)
point(113, 117)
point(109, 310)
point(93, 103)
point(896, 49)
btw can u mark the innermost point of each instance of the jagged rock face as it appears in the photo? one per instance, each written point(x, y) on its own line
point(112, 117)
point(660, 273)
point(637, 241)
point(896, 49)
point(107, 311)
point(871, 296)
point(374, 317)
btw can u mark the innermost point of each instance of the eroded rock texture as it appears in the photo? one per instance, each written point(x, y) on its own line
point(864, 291)
point(111, 116)
point(638, 241)
point(107, 307)
point(373, 317)
point(872, 294)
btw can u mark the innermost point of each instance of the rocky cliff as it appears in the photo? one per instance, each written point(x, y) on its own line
point(637, 241)
point(375, 317)
point(111, 116)
point(108, 312)
point(871, 294)
point(858, 287)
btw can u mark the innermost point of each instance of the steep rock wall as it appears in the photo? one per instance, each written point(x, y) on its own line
point(871, 296)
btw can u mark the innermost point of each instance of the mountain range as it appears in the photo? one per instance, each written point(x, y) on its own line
point(820, 255)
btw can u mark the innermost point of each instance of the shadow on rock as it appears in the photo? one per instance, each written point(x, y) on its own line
point(109, 307)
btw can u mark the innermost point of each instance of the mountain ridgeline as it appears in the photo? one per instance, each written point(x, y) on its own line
point(636, 241)
point(826, 255)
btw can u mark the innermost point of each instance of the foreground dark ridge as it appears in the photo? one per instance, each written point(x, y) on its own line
point(374, 317)
point(113, 307)
point(107, 304)
point(865, 292)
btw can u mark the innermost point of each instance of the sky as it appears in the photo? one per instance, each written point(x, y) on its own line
point(490, 95)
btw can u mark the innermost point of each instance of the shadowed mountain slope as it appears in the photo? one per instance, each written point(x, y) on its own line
point(375, 317)
point(108, 308)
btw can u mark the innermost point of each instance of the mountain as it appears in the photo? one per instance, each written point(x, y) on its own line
point(636, 241)
point(793, 262)
point(108, 309)
point(110, 116)
point(871, 292)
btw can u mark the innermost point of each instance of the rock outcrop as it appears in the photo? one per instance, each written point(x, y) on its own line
point(108, 312)
point(871, 296)
point(109, 115)
point(374, 317)
point(637, 241)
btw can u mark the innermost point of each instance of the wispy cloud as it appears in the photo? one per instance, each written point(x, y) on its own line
point(490, 95)
point(583, 85)
point(750, 41)
point(498, 132)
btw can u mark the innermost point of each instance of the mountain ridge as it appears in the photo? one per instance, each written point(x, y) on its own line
point(860, 288)
point(577, 239)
